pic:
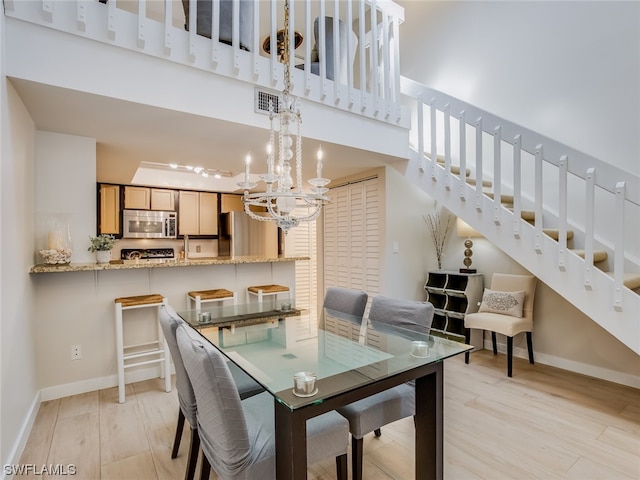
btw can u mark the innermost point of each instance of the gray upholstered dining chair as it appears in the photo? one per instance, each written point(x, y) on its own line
point(372, 413)
point(346, 300)
point(247, 387)
point(506, 308)
point(238, 437)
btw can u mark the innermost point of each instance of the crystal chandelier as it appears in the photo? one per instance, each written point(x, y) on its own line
point(285, 203)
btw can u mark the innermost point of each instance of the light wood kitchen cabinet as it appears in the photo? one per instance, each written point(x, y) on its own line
point(208, 215)
point(162, 199)
point(109, 209)
point(231, 203)
point(198, 213)
point(137, 198)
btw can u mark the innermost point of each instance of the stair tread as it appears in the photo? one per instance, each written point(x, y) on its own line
point(598, 255)
point(508, 199)
point(555, 233)
point(630, 280)
point(455, 169)
point(485, 183)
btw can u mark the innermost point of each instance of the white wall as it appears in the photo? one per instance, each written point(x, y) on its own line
point(65, 184)
point(405, 271)
point(569, 70)
point(19, 390)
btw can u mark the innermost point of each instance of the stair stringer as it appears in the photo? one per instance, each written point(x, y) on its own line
point(596, 302)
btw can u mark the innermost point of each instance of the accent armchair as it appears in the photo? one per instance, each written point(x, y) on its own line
point(506, 308)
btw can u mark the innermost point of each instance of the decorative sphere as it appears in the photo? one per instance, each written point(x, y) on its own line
point(468, 243)
point(468, 252)
point(467, 261)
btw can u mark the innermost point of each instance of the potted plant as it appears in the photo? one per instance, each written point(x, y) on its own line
point(102, 245)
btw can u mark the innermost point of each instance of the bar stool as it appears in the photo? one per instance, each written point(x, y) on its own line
point(204, 296)
point(156, 348)
point(263, 290)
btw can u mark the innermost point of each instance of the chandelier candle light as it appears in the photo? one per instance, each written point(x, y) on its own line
point(286, 204)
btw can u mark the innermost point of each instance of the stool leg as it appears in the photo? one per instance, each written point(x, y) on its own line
point(260, 299)
point(120, 353)
point(198, 303)
point(167, 354)
point(235, 298)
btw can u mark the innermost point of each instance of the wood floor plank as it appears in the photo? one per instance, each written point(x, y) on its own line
point(122, 431)
point(76, 441)
point(78, 404)
point(139, 466)
point(37, 449)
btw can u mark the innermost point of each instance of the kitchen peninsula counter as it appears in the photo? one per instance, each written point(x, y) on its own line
point(137, 264)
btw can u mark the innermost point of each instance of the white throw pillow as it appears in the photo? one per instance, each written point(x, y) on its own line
point(506, 303)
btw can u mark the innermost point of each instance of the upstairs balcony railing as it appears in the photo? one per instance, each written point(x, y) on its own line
point(354, 67)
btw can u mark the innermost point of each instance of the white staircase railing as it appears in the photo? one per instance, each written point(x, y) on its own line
point(367, 68)
point(585, 211)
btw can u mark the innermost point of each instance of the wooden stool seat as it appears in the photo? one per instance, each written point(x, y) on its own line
point(262, 290)
point(148, 353)
point(139, 300)
point(267, 289)
point(211, 294)
point(198, 297)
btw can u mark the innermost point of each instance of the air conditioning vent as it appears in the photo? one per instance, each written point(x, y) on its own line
point(262, 100)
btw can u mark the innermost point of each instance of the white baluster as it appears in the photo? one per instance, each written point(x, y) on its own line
point(434, 141)
point(538, 199)
point(142, 18)
point(447, 147)
point(589, 226)
point(168, 26)
point(479, 132)
point(618, 247)
point(363, 58)
point(562, 212)
point(374, 58)
point(350, 47)
point(81, 15)
point(462, 124)
point(336, 48)
point(497, 175)
point(517, 185)
point(215, 33)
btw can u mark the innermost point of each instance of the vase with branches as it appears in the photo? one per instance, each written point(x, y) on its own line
point(439, 227)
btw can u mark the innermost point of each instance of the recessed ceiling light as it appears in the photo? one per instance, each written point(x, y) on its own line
point(173, 165)
point(189, 167)
point(197, 169)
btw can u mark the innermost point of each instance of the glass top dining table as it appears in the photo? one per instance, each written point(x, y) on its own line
point(350, 359)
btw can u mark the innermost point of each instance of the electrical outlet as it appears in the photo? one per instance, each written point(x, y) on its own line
point(76, 352)
point(198, 248)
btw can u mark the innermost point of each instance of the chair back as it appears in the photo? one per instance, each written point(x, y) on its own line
point(504, 282)
point(328, 50)
point(346, 300)
point(170, 321)
point(406, 314)
point(204, 12)
point(221, 421)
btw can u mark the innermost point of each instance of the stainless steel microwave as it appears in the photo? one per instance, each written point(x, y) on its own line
point(149, 224)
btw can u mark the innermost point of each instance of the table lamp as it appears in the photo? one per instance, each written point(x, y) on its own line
point(463, 229)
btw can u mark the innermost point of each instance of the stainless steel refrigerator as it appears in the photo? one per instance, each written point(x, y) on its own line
point(241, 235)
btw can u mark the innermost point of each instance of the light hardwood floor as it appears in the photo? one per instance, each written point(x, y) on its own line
point(543, 423)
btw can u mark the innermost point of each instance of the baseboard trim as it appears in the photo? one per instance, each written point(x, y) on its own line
point(570, 365)
point(93, 384)
point(23, 436)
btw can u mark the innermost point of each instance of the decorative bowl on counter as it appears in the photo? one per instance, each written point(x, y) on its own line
point(55, 256)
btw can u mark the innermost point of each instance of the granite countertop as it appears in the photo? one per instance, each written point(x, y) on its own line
point(133, 264)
